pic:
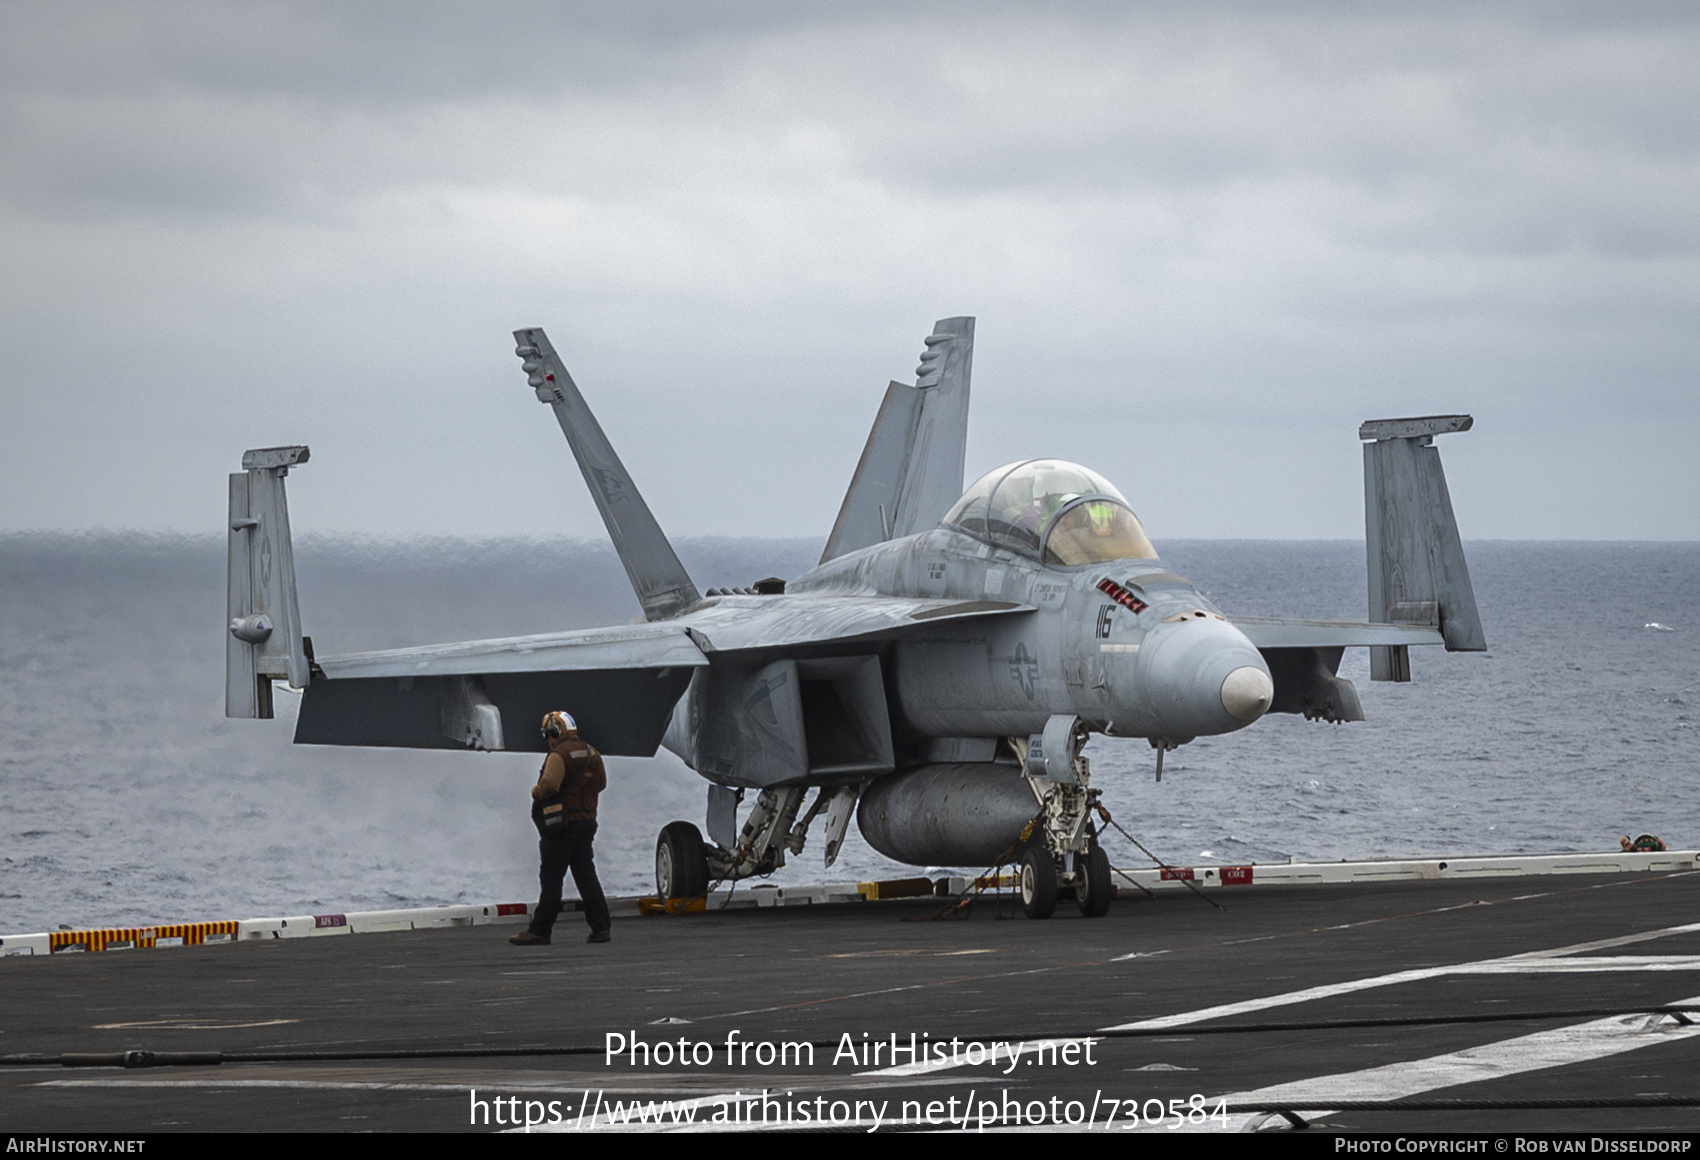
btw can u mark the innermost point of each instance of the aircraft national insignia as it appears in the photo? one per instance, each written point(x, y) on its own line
point(1024, 669)
point(613, 488)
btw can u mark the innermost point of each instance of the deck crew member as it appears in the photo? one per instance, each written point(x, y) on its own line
point(563, 805)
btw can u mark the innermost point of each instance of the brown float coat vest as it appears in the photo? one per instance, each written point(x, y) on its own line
point(573, 765)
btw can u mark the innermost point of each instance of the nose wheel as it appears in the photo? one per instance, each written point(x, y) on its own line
point(1041, 884)
point(681, 863)
point(1038, 883)
point(1092, 882)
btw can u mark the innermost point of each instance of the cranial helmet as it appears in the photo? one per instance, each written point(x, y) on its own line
point(558, 724)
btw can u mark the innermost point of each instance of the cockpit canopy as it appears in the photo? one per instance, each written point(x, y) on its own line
point(1056, 510)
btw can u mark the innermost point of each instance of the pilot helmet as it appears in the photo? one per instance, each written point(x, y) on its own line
point(558, 724)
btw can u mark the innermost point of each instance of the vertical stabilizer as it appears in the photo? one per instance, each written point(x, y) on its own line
point(264, 641)
point(934, 479)
point(663, 587)
point(1417, 573)
point(911, 468)
point(865, 517)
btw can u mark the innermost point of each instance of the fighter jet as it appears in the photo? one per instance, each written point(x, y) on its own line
point(935, 676)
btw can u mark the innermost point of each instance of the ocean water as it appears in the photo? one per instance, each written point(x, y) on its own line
point(126, 797)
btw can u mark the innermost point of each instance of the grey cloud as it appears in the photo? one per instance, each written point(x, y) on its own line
point(326, 218)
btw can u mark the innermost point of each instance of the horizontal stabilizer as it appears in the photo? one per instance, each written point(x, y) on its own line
point(663, 587)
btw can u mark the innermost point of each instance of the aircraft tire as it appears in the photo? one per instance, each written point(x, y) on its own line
point(1038, 883)
point(1092, 892)
point(681, 866)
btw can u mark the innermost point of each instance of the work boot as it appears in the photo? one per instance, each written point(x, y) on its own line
point(526, 939)
point(599, 936)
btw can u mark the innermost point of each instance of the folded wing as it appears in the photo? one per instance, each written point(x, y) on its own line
point(621, 684)
point(1267, 632)
point(1304, 659)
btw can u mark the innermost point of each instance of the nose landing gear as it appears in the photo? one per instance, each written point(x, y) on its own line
point(1038, 883)
point(1092, 882)
point(1065, 850)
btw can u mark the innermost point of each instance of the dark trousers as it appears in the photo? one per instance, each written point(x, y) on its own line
point(557, 854)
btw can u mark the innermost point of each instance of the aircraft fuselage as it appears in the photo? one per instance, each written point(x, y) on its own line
point(1130, 648)
point(1155, 672)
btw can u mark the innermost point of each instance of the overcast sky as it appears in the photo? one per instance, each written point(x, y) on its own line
point(1203, 242)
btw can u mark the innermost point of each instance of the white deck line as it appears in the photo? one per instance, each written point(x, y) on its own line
point(1514, 965)
point(1558, 959)
point(1549, 1048)
point(1559, 1047)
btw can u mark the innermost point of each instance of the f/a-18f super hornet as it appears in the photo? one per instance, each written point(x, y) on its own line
point(935, 676)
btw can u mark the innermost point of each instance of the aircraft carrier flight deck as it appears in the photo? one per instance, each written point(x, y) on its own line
point(1470, 1000)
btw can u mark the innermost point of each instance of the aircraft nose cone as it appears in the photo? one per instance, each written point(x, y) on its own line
point(1201, 678)
point(1247, 693)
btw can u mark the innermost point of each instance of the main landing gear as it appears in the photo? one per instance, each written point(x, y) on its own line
point(685, 864)
point(681, 864)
